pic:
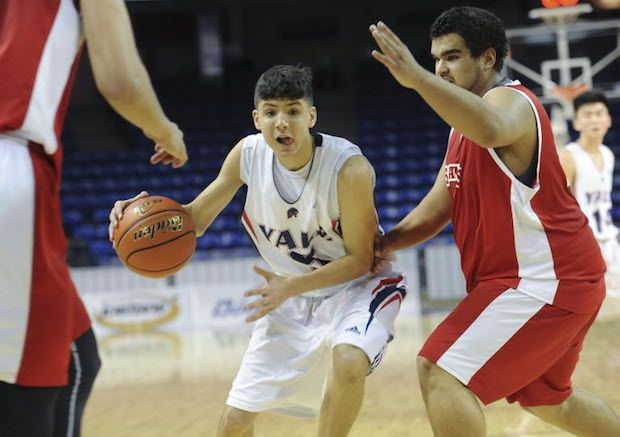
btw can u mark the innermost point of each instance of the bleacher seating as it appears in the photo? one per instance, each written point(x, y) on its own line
point(400, 135)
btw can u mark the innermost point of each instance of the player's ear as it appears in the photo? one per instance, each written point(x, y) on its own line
point(489, 58)
point(576, 124)
point(255, 119)
point(313, 116)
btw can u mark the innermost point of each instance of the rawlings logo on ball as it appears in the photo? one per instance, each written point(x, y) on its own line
point(174, 224)
point(145, 207)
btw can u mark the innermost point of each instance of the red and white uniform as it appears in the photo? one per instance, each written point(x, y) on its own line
point(529, 258)
point(41, 313)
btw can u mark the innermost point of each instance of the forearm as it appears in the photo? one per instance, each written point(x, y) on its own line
point(337, 272)
point(139, 105)
point(463, 110)
point(417, 227)
point(119, 72)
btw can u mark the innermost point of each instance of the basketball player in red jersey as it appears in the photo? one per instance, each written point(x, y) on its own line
point(533, 269)
point(48, 354)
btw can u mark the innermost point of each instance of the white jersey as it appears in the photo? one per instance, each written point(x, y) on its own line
point(592, 189)
point(296, 237)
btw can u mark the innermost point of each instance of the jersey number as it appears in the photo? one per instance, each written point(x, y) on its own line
point(602, 218)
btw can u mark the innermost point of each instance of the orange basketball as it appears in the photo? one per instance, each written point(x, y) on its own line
point(155, 237)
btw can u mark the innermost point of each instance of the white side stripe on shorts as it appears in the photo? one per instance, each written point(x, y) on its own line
point(74, 391)
point(493, 328)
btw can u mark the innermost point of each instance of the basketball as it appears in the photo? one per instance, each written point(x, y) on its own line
point(155, 237)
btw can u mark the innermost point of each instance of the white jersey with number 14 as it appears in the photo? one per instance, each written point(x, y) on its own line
point(592, 189)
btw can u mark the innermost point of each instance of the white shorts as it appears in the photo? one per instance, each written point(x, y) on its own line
point(286, 364)
point(611, 253)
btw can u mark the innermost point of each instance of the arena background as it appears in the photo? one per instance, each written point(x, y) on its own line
point(171, 347)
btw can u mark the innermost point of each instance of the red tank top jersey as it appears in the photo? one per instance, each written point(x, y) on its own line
point(40, 44)
point(535, 239)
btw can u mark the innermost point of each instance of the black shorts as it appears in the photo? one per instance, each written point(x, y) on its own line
point(52, 411)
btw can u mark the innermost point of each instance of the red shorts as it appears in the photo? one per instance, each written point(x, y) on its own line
point(40, 311)
point(502, 343)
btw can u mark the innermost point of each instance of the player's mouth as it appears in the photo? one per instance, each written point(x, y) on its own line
point(285, 140)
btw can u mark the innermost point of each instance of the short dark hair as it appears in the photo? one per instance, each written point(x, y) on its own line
point(479, 28)
point(590, 96)
point(284, 82)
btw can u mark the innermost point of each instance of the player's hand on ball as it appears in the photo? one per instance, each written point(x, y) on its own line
point(273, 293)
point(117, 213)
point(395, 55)
point(169, 148)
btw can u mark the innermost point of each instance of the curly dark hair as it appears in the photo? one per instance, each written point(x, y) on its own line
point(479, 28)
point(284, 82)
point(591, 96)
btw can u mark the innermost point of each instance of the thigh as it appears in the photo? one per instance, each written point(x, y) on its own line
point(27, 411)
point(498, 341)
point(285, 364)
point(366, 314)
point(17, 197)
point(554, 386)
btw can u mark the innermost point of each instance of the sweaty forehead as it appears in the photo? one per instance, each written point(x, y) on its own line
point(449, 42)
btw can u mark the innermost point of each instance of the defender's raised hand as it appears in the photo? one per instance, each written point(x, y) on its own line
point(395, 55)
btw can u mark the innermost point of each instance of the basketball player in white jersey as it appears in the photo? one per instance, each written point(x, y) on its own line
point(310, 212)
point(48, 352)
point(589, 168)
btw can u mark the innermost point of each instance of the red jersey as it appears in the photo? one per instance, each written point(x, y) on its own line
point(42, 314)
point(40, 42)
point(534, 239)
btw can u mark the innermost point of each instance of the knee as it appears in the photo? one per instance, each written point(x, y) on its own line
point(425, 369)
point(350, 365)
point(548, 413)
point(432, 377)
point(235, 421)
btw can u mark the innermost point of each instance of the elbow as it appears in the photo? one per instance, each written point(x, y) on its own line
point(117, 87)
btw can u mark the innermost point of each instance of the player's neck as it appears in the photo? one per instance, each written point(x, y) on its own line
point(589, 144)
point(301, 158)
point(493, 81)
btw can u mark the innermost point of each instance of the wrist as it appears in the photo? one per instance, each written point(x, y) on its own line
point(163, 132)
point(293, 286)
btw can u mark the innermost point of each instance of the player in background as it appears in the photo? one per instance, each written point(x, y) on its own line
point(48, 353)
point(533, 270)
point(589, 167)
point(310, 212)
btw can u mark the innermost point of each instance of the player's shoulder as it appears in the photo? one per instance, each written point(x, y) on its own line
point(571, 147)
point(253, 143)
point(607, 150)
point(335, 144)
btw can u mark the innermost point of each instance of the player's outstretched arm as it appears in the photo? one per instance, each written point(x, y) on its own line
point(423, 222)
point(359, 224)
point(568, 165)
point(495, 121)
point(213, 199)
point(123, 80)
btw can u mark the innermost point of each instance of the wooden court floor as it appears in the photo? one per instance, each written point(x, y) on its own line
point(174, 385)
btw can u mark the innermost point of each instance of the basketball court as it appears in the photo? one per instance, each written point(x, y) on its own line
point(175, 384)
